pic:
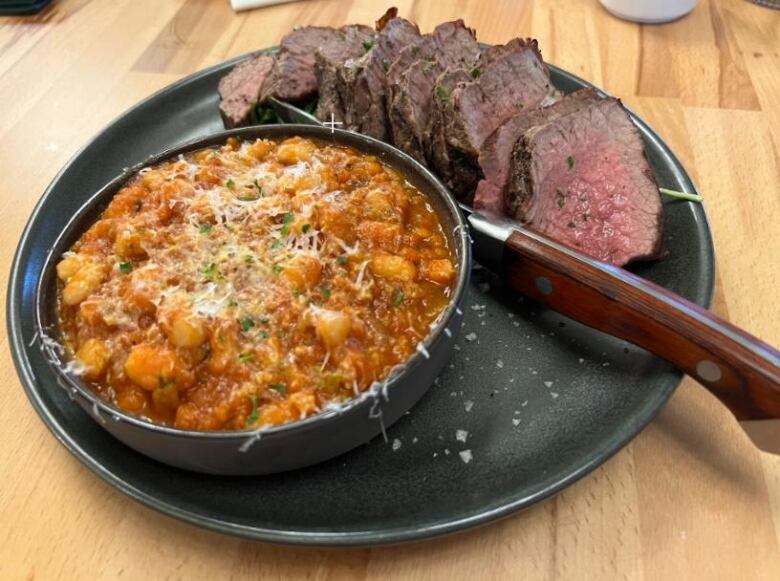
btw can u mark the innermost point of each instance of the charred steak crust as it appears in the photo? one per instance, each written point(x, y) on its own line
point(240, 89)
point(362, 80)
point(584, 179)
point(506, 80)
point(411, 77)
point(434, 139)
point(495, 155)
point(294, 79)
point(354, 41)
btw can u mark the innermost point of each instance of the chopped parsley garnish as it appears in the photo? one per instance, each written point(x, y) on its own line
point(232, 303)
point(306, 228)
point(249, 259)
point(570, 162)
point(265, 320)
point(276, 244)
point(262, 335)
point(398, 298)
point(230, 184)
point(369, 44)
point(259, 189)
point(296, 293)
point(277, 269)
point(204, 228)
point(252, 416)
point(248, 198)
point(287, 220)
point(559, 198)
point(210, 271)
point(126, 267)
point(247, 357)
point(326, 292)
point(280, 387)
point(440, 92)
point(247, 323)
point(386, 64)
point(342, 260)
point(475, 72)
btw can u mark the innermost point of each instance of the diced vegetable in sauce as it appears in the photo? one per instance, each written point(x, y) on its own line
point(253, 284)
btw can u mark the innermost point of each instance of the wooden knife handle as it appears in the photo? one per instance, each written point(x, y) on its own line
point(742, 371)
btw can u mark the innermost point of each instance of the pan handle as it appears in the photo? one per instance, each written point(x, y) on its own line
point(739, 369)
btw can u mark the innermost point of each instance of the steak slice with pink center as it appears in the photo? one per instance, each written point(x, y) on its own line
point(584, 180)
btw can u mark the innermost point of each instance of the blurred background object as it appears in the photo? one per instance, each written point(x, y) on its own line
point(649, 11)
point(239, 5)
point(768, 3)
point(21, 7)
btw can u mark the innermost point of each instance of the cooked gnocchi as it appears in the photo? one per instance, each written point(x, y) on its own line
point(253, 284)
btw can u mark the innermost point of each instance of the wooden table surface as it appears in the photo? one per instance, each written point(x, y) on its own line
point(690, 498)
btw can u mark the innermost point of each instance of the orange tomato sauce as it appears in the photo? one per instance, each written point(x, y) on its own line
point(253, 284)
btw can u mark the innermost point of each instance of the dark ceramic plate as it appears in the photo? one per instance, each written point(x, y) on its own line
point(529, 403)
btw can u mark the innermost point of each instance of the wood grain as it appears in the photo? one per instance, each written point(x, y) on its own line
point(690, 498)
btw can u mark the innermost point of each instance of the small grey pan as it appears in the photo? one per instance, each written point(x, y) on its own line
point(301, 443)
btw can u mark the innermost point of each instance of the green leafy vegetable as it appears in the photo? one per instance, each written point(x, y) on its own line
point(326, 292)
point(287, 220)
point(262, 335)
point(277, 268)
point(399, 297)
point(475, 72)
point(369, 44)
point(230, 184)
point(247, 323)
point(280, 387)
point(252, 416)
point(247, 357)
point(306, 228)
point(210, 271)
point(681, 195)
point(342, 260)
point(204, 228)
point(126, 267)
point(386, 64)
point(440, 92)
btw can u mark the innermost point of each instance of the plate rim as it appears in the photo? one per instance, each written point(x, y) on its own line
point(360, 538)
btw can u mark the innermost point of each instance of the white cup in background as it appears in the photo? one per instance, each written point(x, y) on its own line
point(649, 11)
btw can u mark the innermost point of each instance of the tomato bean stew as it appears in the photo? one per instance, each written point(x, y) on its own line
point(253, 284)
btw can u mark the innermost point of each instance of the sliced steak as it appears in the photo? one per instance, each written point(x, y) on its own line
point(495, 155)
point(362, 80)
point(507, 80)
point(293, 79)
point(412, 76)
point(240, 89)
point(437, 153)
point(355, 41)
point(583, 179)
